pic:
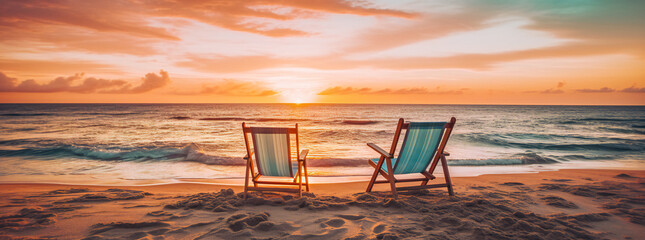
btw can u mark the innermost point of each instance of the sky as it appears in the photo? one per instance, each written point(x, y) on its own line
point(560, 52)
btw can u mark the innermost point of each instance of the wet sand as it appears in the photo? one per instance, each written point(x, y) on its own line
point(565, 204)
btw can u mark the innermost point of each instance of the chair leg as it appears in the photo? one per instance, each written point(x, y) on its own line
point(306, 175)
point(299, 180)
point(375, 175)
point(446, 174)
point(246, 180)
point(425, 182)
point(427, 176)
point(391, 178)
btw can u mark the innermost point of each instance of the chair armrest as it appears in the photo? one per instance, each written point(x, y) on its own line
point(379, 150)
point(303, 155)
point(446, 153)
point(246, 157)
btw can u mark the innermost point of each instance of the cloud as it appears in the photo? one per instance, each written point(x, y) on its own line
point(560, 84)
point(600, 90)
point(104, 16)
point(555, 90)
point(229, 64)
point(552, 91)
point(345, 91)
point(231, 87)
point(633, 89)
point(132, 17)
point(150, 82)
point(50, 67)
point(386, 91)
point(6, 82)
point(234, 15)
point(88, 85)
point(428, 26)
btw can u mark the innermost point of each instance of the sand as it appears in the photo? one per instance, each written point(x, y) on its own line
point(565, 204)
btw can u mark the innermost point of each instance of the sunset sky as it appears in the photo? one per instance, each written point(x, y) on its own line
point(328, 51)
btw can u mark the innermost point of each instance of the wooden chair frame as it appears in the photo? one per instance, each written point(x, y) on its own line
point(255, 178)
point(386, 158)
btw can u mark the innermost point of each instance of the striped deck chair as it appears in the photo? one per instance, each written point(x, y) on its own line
point(271, 153)
point(422, 147)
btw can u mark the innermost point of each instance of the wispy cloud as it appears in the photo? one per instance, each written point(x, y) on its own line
point(87, 85)
point(386, 91)
point(633, 89)
point(51, 67)
point(230, 64)
point(231, 87)
point(131, 17)
point(555, 90)
point(599, 90)
point(236, 88)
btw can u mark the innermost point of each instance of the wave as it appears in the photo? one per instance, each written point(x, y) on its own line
point(93, 154)
point(517, 159)
point(606, 144)
point(26, 114)
point(108, 113)
point(622, 130)
point(611, 120)
point(254, 119)
point(194, 153)
point(359, 122)
point(180, 118)
point(191, 152)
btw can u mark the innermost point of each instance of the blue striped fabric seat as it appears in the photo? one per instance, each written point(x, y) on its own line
point(419, 147)
point(384, 166)
point(272, 152)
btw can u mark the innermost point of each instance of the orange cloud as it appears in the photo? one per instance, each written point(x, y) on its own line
point(230, 87)
point(88, 85)
point(97, 15)
point(224, 64)
point(428, 26)
point(633, 89)
point(49, 67)
point(386, 91)
point(233, 14)
point(556, 90)
point(130, 17)
point(600, 90)
point(235, 88)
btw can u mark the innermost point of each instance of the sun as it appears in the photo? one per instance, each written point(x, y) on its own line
point(298, 96)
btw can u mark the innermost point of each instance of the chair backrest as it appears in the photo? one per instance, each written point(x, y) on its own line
point(272, 149)
point(422, 142)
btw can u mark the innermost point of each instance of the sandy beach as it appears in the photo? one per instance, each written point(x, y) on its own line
point(565, 204)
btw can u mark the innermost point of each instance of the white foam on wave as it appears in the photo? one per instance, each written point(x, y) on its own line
point(195, 153)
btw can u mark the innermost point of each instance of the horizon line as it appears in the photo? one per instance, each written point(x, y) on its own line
point(451, 104)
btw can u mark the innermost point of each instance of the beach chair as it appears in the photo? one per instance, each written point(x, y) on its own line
point(423, 146)
point(271, 153)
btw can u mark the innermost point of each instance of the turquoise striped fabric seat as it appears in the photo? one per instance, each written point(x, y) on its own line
point(273, 152)
point(384, 167)
point(419, 147)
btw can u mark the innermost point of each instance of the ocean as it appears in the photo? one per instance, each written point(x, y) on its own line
point(160, 143)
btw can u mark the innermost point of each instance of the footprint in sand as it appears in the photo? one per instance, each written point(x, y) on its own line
point(559, 202)
point(336, 222)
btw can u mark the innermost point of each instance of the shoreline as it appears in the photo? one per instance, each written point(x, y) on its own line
point(233, 182)
point(455, 171)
